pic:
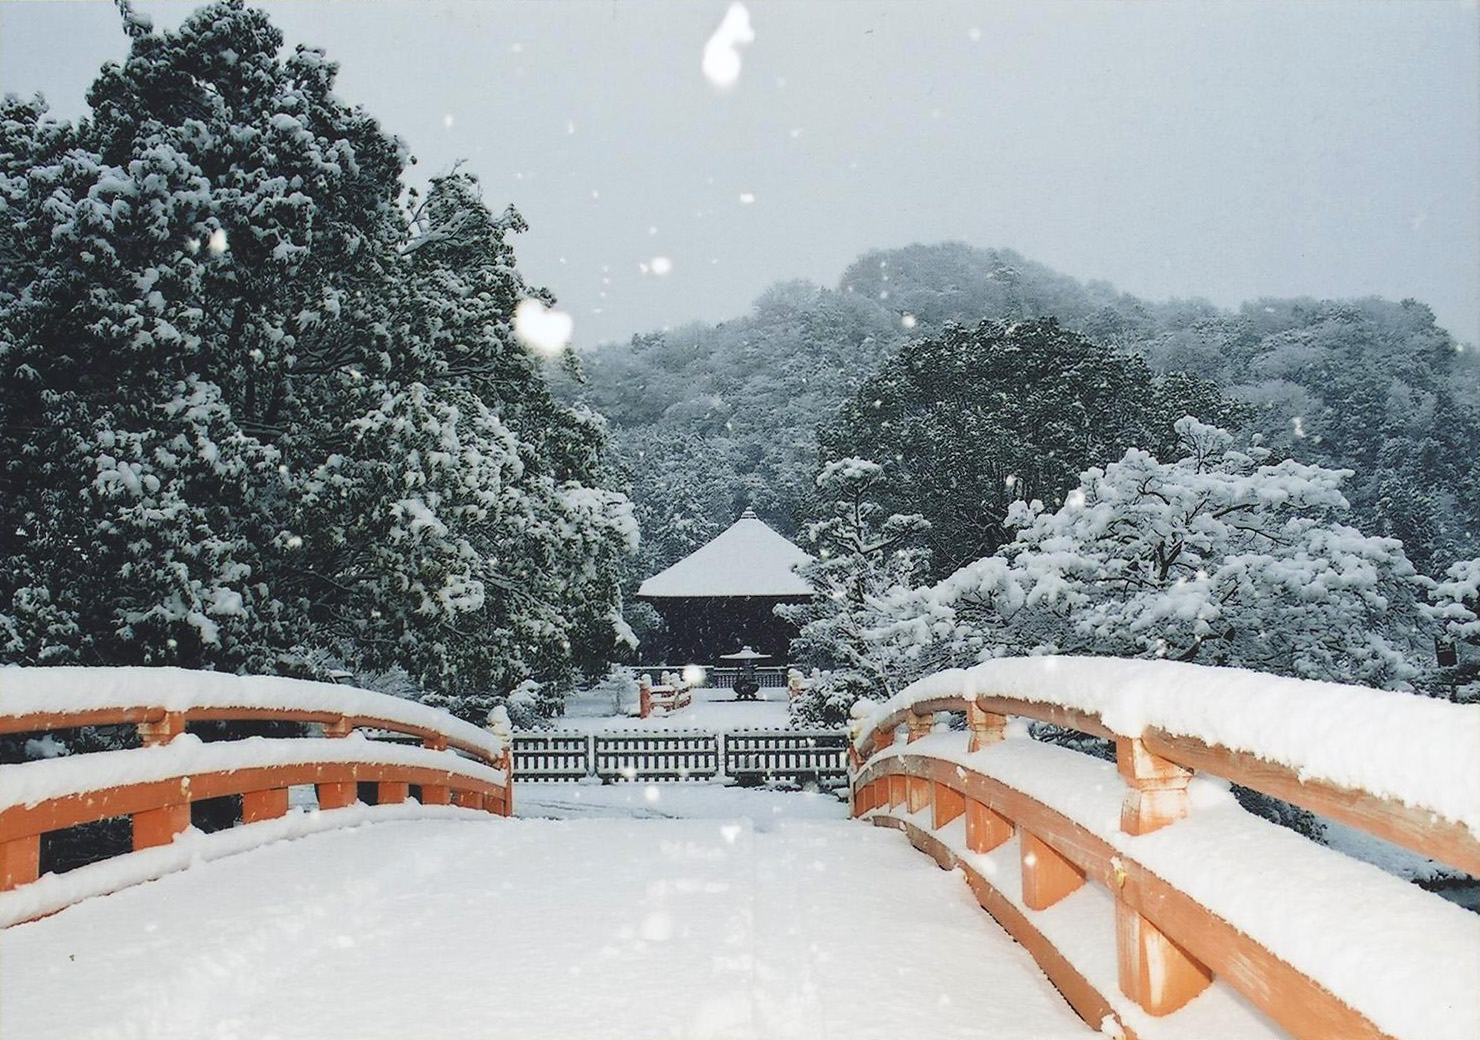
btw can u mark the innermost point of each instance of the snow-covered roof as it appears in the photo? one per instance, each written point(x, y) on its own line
point(746, 559)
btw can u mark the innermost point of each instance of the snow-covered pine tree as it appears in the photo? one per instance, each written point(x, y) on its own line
point(859, 557)
point(1219, 558)
point(240, 375)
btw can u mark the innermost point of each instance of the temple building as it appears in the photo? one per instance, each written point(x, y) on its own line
point(721, 596)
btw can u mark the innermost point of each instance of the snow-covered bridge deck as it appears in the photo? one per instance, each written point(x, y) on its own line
point(538, 928)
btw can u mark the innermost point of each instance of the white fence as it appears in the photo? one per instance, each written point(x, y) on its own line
point(745, 755)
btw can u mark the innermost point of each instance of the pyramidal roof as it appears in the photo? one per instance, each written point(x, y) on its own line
point(746, 559)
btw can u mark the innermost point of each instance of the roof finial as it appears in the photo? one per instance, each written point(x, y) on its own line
point(749, 514)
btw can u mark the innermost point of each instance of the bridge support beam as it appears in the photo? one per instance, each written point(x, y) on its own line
point(159, 826)
point(435, 794)
point(985, 827)
point(1047, 875)
point(1154, 971)
point(388, 792)
point(1156, 792)
point(264, 805)
point(946, 805)
point(20, 861)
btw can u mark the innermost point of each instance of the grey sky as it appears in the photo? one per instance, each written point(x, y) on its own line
point(1225, 151)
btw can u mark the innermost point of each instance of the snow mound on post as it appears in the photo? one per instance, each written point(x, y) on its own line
point(1416, 750)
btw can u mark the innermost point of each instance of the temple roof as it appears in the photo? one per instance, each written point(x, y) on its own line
point(746, 559)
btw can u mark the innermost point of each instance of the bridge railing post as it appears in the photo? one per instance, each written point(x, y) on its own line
point(985, 727)
point(1048, 875)
point(917, 726)
point(20, 861)
point(264, 805)
point(985, 827)
point(1156, 788)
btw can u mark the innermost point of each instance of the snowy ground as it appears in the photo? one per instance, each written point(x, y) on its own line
point(747, 922)
point(713, 709)
point(763, 809)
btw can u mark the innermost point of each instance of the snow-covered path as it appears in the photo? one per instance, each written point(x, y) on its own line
point(531, 928)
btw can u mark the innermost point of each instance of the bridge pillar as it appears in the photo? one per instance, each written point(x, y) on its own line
point(985, 727)
point(264, 805)
point(435, 794)
point(985, 827)
point(1154, 971)
point(20, 861)
point(1047, 875)
point(1156, 793)
point(159, 826)
point(946, 805)
point(391, 792)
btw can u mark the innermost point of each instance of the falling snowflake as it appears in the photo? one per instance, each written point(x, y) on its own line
point(544, 330)
point(746, 198)
point(661, 265)
point(721, 62)
point(216, 244)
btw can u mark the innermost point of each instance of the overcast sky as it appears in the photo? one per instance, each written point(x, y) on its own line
point(1225, 151)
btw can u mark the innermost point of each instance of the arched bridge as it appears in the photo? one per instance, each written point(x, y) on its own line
point(1130, 897)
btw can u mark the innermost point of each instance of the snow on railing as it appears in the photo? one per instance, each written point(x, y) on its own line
point(1201, 896)
point(154, 785)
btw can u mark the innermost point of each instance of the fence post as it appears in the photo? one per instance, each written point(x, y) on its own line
point(917, 793)
point(986, 727)
point(644, 697)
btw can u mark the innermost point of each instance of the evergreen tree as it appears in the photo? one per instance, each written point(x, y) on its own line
point(258, 413)
point(1220, 558)
point(974, 420)
point(858, 559)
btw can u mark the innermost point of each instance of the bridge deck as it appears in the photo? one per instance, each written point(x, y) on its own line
point(537, 928)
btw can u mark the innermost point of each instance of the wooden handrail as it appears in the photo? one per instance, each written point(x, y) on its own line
point(1413, 827)
point(457, 764)
point(50, 721)
point(1169, 945)
point(1298, 1003)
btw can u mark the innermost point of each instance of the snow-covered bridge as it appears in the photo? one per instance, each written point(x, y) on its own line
point(1132, 897)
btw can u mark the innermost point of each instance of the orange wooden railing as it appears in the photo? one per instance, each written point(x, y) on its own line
point(1169, 946)
point(477, 773)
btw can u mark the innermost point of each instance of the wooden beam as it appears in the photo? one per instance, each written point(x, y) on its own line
point(1415, 829)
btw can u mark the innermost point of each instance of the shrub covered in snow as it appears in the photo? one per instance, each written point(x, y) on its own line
point(1220, 557)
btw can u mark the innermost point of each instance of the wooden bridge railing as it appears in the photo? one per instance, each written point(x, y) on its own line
point(154, 785)
point(1176, 927)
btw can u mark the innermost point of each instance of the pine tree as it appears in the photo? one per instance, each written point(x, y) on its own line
point(858, 560)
